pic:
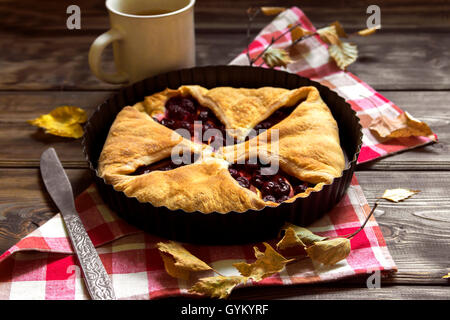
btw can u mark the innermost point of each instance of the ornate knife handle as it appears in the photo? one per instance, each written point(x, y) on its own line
point(97, 280)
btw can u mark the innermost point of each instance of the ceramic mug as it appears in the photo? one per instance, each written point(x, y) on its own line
point(148, 37)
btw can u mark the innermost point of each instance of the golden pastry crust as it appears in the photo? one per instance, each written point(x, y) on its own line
point(135, 139)
point(205, 186)
point(307, 148)
point(307, 145)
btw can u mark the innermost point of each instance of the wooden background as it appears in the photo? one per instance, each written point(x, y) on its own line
point(44, 65)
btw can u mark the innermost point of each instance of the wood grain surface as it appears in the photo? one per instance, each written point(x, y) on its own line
point(230, 15)
point(389, 60)
point(44, 65)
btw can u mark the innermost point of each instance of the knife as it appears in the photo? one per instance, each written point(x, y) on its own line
point(58, 185)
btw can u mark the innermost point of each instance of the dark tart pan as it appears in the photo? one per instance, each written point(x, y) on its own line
point(217, 228)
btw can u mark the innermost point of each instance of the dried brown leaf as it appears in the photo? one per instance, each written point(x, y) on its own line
point(303, 234)
point(217, 287)
point(299, 32)
point(172, 269)
point(266, 264)
point(398, 194)
point(271, 11)
point(290, 239)
point(403, 126)
point(274, 57)
point(297, 236)
point(329, 35)
point(330, 251)
point(183, 259)
point(343, 53)
point(63, 121)
point(339, 29)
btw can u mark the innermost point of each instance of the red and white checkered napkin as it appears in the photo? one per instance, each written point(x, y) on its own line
point(315, 63)
point(43, 266)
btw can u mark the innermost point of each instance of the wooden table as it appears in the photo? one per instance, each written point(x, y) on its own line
point(44, 65)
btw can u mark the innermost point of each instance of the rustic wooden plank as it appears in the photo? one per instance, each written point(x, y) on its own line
point(416, 231)
point(24, 203)
point(333, 292)
point(22, 144)
point(406, 225)
point(230, 15)
point(385, 60)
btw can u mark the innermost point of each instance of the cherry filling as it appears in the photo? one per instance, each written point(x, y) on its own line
point(164, 165)
point(276, 187)
point(182, 112)
point(274, 118)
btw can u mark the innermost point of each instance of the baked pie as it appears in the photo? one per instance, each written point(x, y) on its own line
point(223, 149)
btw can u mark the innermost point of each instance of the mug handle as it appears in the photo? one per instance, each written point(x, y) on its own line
point(95, 54)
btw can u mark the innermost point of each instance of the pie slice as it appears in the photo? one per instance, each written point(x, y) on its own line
point(222, 150)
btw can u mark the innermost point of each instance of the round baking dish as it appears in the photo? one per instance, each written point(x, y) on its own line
point(232, 227)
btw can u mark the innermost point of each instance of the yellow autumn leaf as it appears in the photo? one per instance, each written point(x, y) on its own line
point(266, 264)
point(63, 121)
point(298, 32)
point(405, 125)
point(183, 261)
point(271, 11)
point(447, 276)
point(339, 29)
point(368, 31)
point(218, 286)
point(305, 235)
point(172, 269)
point(330, 251)
point(274, 57)
point(399, 194)
point(343, 53)
point(329, 35)
point(290, 239)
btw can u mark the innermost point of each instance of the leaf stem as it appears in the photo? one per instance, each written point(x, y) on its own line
point(296, 259)
point(364, 224)
point(304, 37)
point(251, 15)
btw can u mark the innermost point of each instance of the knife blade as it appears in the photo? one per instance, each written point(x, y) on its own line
point(58, 185)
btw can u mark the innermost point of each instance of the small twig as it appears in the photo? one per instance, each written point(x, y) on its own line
point(251, 15)
point(273, 40)
point(293, 43)
point(304, 37)
point(364, 224)
point(297, 259)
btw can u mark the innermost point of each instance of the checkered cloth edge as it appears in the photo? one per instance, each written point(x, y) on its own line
point(311, 60)
point(43, 266)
